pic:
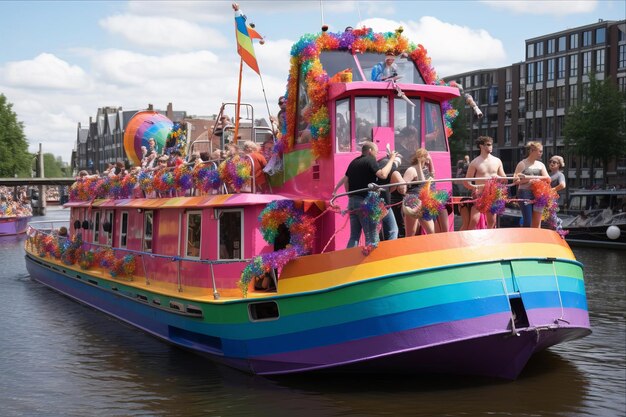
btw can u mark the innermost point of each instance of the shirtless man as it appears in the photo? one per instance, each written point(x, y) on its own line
point(484, 165)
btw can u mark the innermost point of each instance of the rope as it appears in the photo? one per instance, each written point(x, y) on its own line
point(558, 290)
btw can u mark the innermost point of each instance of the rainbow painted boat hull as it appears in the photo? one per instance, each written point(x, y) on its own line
point(13, 225)
point(475, 302)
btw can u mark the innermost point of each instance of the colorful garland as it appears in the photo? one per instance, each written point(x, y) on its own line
point(433, 202)
point(493, 197)
point(374, 209)
point(547, 198)
point(302, 233)
point(235, 172)
point(305, 58)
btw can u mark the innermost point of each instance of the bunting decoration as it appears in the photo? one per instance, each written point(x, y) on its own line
point(245, 48)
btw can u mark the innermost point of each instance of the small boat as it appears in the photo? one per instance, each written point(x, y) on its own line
point(591, 218)
point(190, 265)
point(596, 218)
point(13, 225)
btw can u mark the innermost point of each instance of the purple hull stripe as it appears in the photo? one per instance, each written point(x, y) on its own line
point(499, 354)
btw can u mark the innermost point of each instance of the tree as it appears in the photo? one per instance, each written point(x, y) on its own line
point(14, 156)
point(52, 166)
point(596, 128)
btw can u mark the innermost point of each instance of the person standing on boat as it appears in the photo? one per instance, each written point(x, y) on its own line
point(557, 179)
point(390, 224)
point(258, 163)
point(418, 171)
point(386, 69)
point(530, 166)
point(362, 171)
point(484, 165)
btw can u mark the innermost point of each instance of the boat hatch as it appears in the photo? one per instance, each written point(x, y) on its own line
point(195, 340)
point(267, 310)
point(520, 318)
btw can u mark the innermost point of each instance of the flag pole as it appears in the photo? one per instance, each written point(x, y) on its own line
point(237, 109)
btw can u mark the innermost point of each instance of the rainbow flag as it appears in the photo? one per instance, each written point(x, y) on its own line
point(244, 41)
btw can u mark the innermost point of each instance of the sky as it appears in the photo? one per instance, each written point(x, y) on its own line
point(62, 60)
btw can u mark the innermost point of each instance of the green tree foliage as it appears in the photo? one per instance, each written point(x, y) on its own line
point(596, 127)
point(14, 156)
point(53, 166)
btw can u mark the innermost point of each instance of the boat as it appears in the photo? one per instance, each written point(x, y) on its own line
point(13, 225)
point(187, 263)
point(596, 218)
point(591, 218)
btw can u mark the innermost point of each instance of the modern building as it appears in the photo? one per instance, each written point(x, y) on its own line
point(528, 100)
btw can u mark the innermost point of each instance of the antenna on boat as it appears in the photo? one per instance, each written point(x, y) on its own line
point(322, 11)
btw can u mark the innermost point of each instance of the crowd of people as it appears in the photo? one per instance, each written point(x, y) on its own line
point(405, 220)
point(14, 202)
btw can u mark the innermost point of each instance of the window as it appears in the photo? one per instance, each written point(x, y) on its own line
point(573, 94)
point(530, 73)
point(539, 71)
point(600, 35)
point(343, 125)
point(585, 91)
point(530, 133)
point(123, 229)
point(621, 84)
point(539, 49)
point(302, 133)
point(337, 61)
point(530, 100)
point(560, 72)
point(600, 60)
point(587, 38)
point(551, 98)
point(560, 120)
point(435, 137)
point(508, 90)
point(109, 230)
point(586, 62)
point(550, 69)
point(549, 127)
point(530, 50)
point(621, 56)
point(230, 234)
point(96, 227)
point(573, 41)
point(538, 128)
point(370, 112)
point(551, 43)
point(573, 65)
point(147, 230)
point(194, 234)
point(562, 43)
point(539, 97)
point(409, 118)
point(507, 135)
point(405, 67)
point(493, 95)
point(560, 97)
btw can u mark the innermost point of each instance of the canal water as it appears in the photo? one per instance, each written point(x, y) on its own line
point(60, 358)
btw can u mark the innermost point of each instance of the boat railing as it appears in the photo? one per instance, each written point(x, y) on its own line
point(183, 272)
point(378, 187)
point(49, 226)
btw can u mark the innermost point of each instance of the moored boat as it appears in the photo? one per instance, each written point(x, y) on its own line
point(13, 225)
point(195, 259)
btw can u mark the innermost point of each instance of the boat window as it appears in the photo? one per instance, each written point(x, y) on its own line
point(96, 227)
point(303, 135)
point(194, 236)
point(435, 135)
point(230, 234)
point(109, 230)
point(370, 112)
point(407, 129)
point(406, 68)
point(334, 62)
point(123, 229)
point(343, 125)
point(147, 230)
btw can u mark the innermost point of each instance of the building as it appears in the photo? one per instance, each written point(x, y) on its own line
point(528, 100)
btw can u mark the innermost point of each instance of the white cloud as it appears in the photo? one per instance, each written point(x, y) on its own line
point(198, 11)
point(453, 48)
point(162, 32)
point(45, 71)
point(549, 7)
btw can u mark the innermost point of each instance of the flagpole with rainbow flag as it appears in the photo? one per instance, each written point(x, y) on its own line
point(245, 48)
